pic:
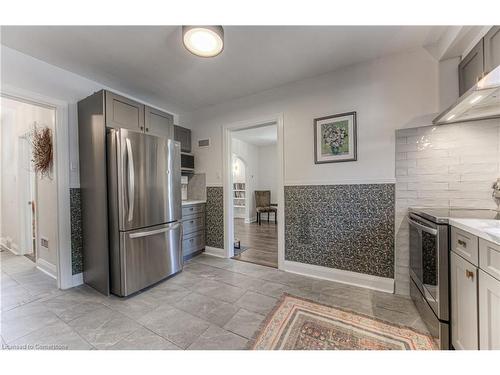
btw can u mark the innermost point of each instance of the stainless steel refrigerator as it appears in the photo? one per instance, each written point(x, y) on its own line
point(144, 205)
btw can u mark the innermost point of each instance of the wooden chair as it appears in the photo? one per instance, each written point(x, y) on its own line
point(263, 205)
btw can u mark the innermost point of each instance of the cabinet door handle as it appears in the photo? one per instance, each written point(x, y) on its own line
point(462, 243)
point(469, 274)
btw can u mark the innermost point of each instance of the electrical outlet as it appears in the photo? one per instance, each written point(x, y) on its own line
point(44, 242)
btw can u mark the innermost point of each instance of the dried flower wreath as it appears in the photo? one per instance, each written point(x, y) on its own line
point(41, 142)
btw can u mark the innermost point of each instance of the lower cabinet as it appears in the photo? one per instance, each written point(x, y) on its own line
point(489, 312)
point(193, 223)
point(464, 311)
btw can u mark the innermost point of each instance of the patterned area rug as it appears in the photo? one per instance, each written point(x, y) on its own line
point(299, 324)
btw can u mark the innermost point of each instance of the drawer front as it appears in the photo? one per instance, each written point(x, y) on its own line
point(489, 258)
point(465, 244)
point(191, 210)
point(193, 224)
point(193, 243)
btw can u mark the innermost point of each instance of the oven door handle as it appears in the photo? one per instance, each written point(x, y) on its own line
point(422, 227)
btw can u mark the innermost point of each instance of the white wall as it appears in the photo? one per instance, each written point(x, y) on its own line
point(27, 73)
point(387, 94)
point(248, 153)
point(17, 119)
point(268, 170)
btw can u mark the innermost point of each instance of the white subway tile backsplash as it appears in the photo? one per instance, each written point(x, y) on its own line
point(477, 177)
point(401, 186)
point(474, 168)
point(473, 203)
point(471, 186)
point(427, 185)
point(400, 155)
point(406, 163)
point(430, 169)
point(401, 140)
point(443, 166)
point(407, 132)
point(405, 194)
point(430, 178)
point(426, 154)
point(406, 147)
point(438, 162)
point(433, 194)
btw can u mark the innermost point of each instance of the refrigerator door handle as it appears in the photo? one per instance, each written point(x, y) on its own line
point(153, 232)
point(130, 180)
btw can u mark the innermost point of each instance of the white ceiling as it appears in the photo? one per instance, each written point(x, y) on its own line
point(261, 136)
point(151, 60)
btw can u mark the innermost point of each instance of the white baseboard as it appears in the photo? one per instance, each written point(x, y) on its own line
point(47, 268)
point(77, 279)
point(216, 252)
point(382, 284)
point(251, 220)
point(13, 248)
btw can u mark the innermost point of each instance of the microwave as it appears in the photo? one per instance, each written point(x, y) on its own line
point(187, 162)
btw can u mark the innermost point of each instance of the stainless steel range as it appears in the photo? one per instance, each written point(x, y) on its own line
point(429, 267)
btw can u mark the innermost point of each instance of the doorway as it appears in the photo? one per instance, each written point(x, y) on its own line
point(28, 202)
point(255, 194)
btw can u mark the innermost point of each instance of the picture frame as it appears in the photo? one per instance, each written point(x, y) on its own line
point(335, 138)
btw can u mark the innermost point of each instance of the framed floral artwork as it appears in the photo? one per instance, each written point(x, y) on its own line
point(335, 138)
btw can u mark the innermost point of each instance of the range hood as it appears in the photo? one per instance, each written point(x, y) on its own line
point(480, 102)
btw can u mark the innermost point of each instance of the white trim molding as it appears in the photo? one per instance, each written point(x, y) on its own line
point(61, 176)
point(14, 249)
point(227, 180)
point(47, 267)
point(215, 251)
point(382, 284)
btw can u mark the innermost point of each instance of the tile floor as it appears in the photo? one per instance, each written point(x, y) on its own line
point(213, 304)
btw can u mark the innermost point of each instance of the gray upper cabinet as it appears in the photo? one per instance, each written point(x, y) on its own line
point(492, 49)
point(158, 122)
point(183, 136)
point(122, 112)
point(471, 68)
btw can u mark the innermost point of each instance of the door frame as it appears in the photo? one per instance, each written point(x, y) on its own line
point(61, 175)
point(227, 154)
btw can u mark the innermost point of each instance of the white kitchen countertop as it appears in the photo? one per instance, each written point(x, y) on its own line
point(487, 229)
point(190, 202)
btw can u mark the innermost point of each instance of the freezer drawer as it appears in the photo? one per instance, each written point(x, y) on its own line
point(147, 256)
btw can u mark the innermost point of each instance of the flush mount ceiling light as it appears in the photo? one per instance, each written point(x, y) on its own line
point(204, 41)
